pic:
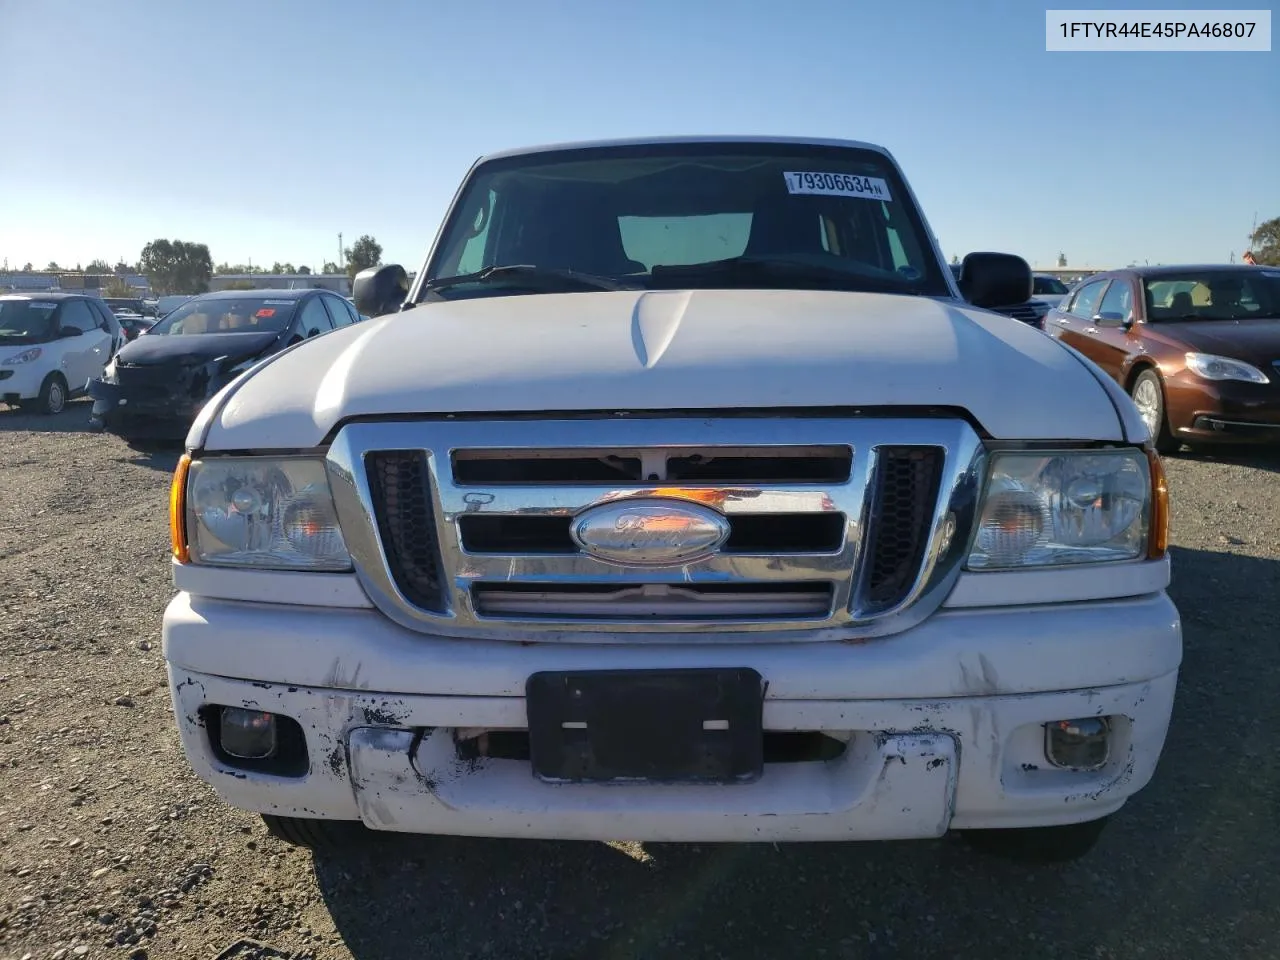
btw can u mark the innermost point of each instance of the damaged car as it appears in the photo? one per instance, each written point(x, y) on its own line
point(156, 385)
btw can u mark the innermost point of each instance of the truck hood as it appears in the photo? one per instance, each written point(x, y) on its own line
point(668, 350)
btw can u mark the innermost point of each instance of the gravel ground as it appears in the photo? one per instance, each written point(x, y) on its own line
point(110, 847)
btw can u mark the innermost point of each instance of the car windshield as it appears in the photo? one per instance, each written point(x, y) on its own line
point(26, 321)
point(1049, 286)
point(227, 315)
point(1213, 295)
point(688, 215)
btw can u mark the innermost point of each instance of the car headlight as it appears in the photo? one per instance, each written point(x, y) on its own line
point(109, 371)
point(1063, 508)
point(26, 356)
point(266, 512)
point(1213, 367)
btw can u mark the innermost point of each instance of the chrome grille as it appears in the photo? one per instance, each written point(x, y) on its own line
point(853, 525)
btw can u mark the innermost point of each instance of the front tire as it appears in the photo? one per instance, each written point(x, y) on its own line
point(320, 836)
point(1060, 844)
point(52, 399)
point(1148, 396)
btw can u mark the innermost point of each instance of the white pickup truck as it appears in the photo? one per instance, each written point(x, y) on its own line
point(680, 497)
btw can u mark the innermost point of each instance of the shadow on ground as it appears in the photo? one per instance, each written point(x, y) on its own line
point(1186, 869)
point(74, 420)
point(1241, 455)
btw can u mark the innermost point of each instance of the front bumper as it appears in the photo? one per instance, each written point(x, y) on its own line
point(943, 723)
point(116, 411)
point(1229, 412)
point(22, 381)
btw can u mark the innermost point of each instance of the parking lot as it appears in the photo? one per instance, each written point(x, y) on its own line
point(109, 846)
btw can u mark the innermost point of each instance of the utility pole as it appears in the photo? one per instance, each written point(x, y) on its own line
point(341, 256)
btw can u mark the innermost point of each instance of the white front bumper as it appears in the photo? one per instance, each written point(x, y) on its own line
point(965, 752)
point(25, 380)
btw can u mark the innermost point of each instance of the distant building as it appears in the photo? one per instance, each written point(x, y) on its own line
point(337, 282)
point(39, 281)
point(1070, 275)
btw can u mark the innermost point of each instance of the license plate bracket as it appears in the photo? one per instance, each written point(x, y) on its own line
point(663, 726)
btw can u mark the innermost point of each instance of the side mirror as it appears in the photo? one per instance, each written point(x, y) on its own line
point(379, 290)
point(65, 332)
point(313, 332)
point(995, 279)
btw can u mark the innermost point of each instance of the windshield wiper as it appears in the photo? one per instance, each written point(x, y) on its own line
point(530, 275)
point(750, 269)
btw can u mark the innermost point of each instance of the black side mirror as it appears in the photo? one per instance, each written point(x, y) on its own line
point(379, 290)
point(65, 332)
point(995, 279)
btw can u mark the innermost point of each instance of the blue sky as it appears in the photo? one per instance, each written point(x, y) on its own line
point(264, 129)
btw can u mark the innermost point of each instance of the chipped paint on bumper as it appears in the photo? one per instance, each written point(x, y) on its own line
point(913, 768)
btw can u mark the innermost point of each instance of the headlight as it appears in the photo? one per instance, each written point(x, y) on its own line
point(109, 371)
point(1062, 508)
point(1223, 368)
point(273, 513)
point(26, 356)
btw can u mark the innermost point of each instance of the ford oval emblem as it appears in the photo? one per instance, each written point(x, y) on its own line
point(650, 532)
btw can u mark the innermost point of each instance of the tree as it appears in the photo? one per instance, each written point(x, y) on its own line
point(279, 267)
point(97, 266)
point(304, 270)
point(175, 266)
point(364, 253)
point(1266, 243)
point(26, 267)
point(121, 268)
point(330, 267)
point(118, 288)
point(52, 267)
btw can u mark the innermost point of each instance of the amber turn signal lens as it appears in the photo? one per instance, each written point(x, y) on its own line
point(178, 510)
point(1158, 538)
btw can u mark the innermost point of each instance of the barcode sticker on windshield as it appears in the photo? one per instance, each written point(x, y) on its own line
point(838, 185)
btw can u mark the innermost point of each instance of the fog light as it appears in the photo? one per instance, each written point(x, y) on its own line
point(247, 734)
point(1082, 744)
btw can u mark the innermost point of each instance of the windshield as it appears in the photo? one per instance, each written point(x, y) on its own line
point(227, 315)
point(652, 216)
point(1048, 286)
point(26, 321)
point(1213, 295)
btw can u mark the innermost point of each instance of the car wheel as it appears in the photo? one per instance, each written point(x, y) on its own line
point(1039, 844)
point(53, 396)
point(1148, 396)
point(322, 836)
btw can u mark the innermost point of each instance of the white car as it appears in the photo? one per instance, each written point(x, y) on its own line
point(51, 346)
point(681, 497)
